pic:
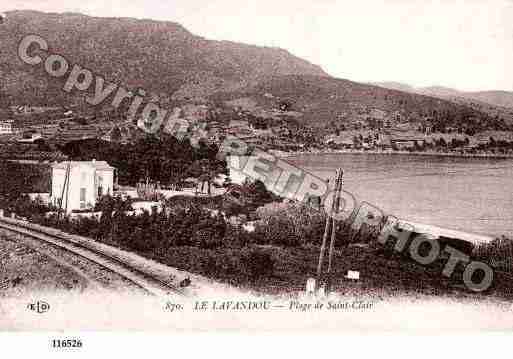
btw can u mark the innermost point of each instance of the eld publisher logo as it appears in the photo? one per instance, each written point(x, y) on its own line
point(39, 307)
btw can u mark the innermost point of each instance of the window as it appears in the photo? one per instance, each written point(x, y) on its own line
point(82, 195)
point(100, 186)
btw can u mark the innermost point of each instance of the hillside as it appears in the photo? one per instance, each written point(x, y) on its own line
point(496, 104)
point(498, 98)
point(494, 98)
point(162, 57)
point(176, 66)
point(439, 91)
point(324, 100)
point(394, 86)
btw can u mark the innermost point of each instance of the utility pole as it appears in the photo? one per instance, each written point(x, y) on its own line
point(64, 189)
point(336, 195)
point(334, 226)
point(67, 187)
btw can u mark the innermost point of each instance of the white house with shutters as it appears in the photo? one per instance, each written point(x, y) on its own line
point(77, 185)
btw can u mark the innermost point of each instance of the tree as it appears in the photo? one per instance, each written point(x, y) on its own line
point(161, 159)
point(284, 105)
point(206, 171)
point(356, 141)
point(260, 194)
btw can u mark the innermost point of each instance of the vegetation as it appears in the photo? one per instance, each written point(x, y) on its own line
point(498, 253)
point(496, 146)
point(206, 171)
point(162, 159)
point(214, 247)
point(170, 59)
point(16, 180)
point(292, 84)
point(282, 252)
point(19, 178)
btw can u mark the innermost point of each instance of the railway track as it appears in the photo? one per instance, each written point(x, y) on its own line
point(87, 249)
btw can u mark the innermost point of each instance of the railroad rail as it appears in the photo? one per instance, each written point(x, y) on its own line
point(103, 255)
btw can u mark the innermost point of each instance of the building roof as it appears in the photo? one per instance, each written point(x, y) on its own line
point(99, 165)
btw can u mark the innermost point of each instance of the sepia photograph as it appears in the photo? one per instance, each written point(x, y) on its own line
point(299, 166)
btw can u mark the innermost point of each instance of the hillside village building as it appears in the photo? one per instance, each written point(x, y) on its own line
point(77, 185)
point(6, 127)
point(403, 143)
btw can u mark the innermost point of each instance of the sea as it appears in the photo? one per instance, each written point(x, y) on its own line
point(473, 195)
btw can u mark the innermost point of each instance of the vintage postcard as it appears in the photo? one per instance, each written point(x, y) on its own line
point(294, 166)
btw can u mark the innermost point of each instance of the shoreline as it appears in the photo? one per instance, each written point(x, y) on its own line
point(433, 229)
point(474, 238)
point(282, 154)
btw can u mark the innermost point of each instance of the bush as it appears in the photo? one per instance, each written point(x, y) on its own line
point(23, 206)
point(259, 263)
point(497, 253)
point(206, 238)
point(278, 231)
point(222, 265)
point(289, 225)
point(236, 237)
point(250, 263)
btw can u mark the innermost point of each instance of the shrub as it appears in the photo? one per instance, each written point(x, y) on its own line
point(259, 263)
point(206, 238)
point(222, 264)
point(497, 253)
point(277, 231)
point(250, 263)
point(236, 237)
point(289, 225)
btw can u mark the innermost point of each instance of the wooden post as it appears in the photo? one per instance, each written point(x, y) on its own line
point(67, 188)
point(326, 230)
point(336, 201)
point(323, 249)
point(66, 176)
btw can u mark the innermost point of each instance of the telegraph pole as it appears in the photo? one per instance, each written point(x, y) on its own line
point(64, 190)
point(336, 195)
point(334, 226)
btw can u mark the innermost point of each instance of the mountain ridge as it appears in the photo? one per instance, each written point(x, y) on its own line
point(155, 55)
point(175, 66)
point(492, 97)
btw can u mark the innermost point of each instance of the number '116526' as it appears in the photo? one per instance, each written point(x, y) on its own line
point(66, 343)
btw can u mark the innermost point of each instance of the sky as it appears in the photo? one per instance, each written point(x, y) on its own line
point(463, 44)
